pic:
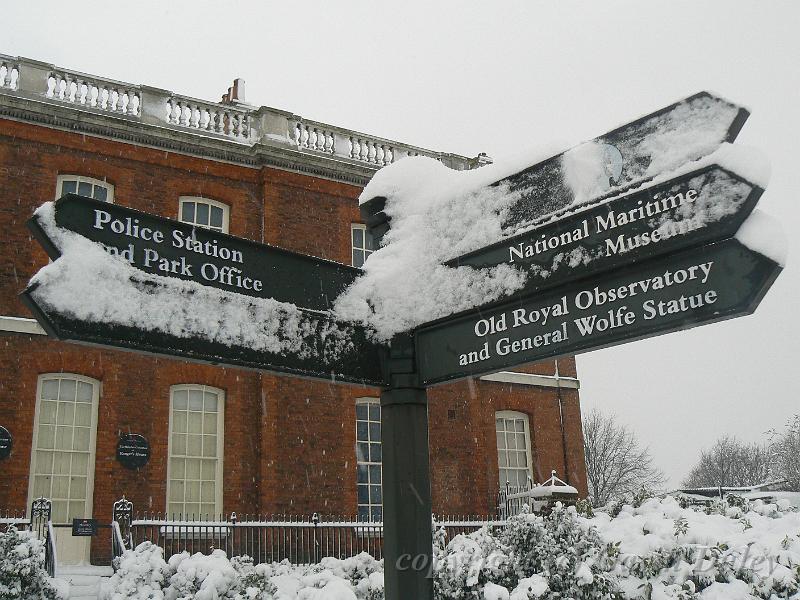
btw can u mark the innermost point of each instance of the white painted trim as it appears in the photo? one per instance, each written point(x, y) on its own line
point(90, 467)
point(515, 414)
point(21, 325)
point(219, 473)
point(530, 379)
point(226, 211)
point(84, 179)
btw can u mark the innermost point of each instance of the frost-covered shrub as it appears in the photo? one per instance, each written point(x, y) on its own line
point(22, 572)
point(202, 577)
point(658, 550)
point(140, 575)
point(561, 548)
point(252, 580)
point(554, 554)
point(467, 563)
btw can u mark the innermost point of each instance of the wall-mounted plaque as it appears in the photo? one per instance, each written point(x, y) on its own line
point(5, 442)
point(84, 527)
point(133, 450)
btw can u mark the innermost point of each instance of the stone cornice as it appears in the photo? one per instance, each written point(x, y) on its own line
point(215, 147)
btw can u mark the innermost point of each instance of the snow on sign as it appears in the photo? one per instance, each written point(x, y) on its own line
point(127, 279)
point(174, 249)
point(704, 205)
point(694, 287)
point(640, 150)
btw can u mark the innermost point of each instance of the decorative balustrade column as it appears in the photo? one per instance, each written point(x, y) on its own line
point(153, 107)
point(341, 144)
point(271, 125)
point(33, 76)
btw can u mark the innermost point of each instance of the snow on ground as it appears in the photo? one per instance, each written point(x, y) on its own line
point(657, 550)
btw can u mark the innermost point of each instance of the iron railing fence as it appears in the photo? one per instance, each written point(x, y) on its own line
point(300, 540)
point(38, 522)
point(17, 518)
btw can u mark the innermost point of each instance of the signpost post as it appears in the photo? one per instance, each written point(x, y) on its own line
point(612, 270)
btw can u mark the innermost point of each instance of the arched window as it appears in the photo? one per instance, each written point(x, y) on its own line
point(194, 471)
point(369, 459)
point(63, 455)
point(513, 448)
point(204, 212)
point(84, 186)
point(63, 449)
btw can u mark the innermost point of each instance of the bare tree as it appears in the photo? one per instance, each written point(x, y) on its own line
point(616, 465)
point(731, 463)
point(786, 450)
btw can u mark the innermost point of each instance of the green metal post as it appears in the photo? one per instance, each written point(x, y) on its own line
point(408, 540)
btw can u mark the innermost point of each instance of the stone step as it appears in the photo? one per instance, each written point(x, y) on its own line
point(84, 581)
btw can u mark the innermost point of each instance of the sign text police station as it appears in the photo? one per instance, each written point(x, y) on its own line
point(149, 259)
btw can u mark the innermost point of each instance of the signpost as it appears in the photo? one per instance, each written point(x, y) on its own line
point(179, 250)
point(629, 154)
point(158, 246)
point(694, 287)
point(608, 271)
point(701, 206)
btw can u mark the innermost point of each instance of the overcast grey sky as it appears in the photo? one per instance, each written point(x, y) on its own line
point(503, 77)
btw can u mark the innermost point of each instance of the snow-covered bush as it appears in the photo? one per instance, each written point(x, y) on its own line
point(140, 575)
point(652, 549)
point(22, 572)
point(556, 554)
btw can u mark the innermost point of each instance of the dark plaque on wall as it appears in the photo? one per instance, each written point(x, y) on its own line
point(84, 527)
point(5, 442)
point(133, 450)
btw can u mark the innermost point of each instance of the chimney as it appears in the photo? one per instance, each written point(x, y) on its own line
point(235, 94)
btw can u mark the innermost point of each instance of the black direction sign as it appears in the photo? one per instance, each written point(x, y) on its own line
point(221, 321)
point(695, 287)
point(631, 152)
point(171, 248)
point(705, 205)
point(327, 350)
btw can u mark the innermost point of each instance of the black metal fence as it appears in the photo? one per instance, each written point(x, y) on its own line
point(301, 540)
point(297, 539)
point(38, 522)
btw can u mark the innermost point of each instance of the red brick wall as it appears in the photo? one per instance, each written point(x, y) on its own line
point(289, 443)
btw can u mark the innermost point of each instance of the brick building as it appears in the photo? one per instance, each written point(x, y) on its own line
point(225, 439)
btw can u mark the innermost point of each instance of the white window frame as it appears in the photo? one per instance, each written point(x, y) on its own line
point(367, 251)
point(218, 475)
point(92, 432)
point(226, 212)
point(514, 414)
point(83, 179)
point(368, 401)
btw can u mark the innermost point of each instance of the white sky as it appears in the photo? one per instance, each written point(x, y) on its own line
point(503, 78)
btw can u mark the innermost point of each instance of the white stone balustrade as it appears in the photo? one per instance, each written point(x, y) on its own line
point(241, 123)
point(94, 92)
point(203, 116)
point(319, 137)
